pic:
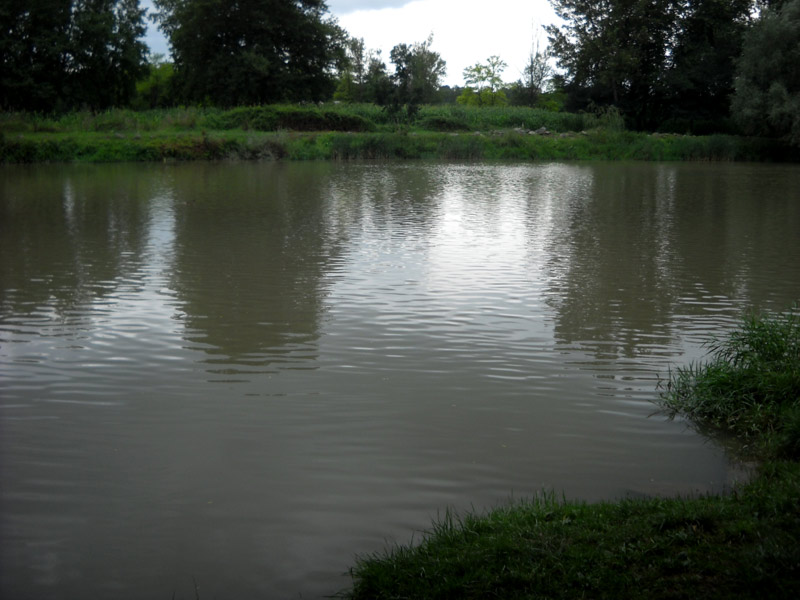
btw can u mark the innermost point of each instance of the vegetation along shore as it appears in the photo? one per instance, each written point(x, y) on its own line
point(358, 131)
point(706, 80)
point(745, 544)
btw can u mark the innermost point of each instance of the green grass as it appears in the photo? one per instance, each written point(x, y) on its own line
point(362, 131)
point(749, 386)
point(241, 144)
point(745, 544)
point(329, 117)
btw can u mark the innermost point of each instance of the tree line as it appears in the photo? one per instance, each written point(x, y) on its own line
point(679, 64)
point(672, 65)
point(58, 54)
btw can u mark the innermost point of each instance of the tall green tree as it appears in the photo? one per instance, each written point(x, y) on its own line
point(378, 85)
point(107, 53)
point(483, 81)
point(614, 52)
point(418, 72)
point(59, 54)
point(698, 84)
point(350, 87)
point(652, 59)
point(252, 51)
point(155, 89)
point(363, 76)
point(767, 97)
point(537, 73)
point(34, 49)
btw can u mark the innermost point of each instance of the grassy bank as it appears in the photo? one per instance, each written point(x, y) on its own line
point(356, 132)
point(742, 545)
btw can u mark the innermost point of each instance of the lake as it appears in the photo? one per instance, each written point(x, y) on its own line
point(228, 379)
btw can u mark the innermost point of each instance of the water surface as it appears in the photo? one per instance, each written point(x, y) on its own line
point(241, 375)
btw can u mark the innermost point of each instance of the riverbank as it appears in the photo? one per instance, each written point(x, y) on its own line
point(510, 144)
point(358, 132)
point(742, 545)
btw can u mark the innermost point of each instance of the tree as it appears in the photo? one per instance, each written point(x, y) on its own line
point(378, 86)
point(59, 54)
point(418, 72)
point(107, 53)
point(363, 76)
point(483, 83)
point(252, 51)
point(538, 71)
point(698, 84)
point(653, 59)
point(34, 43)
point(614, 52)
point(767, 97)
point(155, 90)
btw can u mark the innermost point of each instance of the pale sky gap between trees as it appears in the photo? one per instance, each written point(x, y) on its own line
point(464, 32)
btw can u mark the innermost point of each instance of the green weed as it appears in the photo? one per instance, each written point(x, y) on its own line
point(749, 386)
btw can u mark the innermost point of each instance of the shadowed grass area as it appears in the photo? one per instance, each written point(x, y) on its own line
point(745, 544)
point(328, 117)
point(292, 145)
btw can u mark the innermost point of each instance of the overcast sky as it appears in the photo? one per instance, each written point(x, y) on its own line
point(464, 31)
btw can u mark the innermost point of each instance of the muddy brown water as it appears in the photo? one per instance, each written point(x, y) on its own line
point(239, 376)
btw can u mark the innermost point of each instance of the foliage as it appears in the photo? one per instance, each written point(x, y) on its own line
point(482, 97)
point(61, 54)
point(483, 81)
point(614, 52)
point(378, 86)
point(156, 89)
point(654, 59)
point(353, 72)
point(699, 81)
point(251, 52)
point(767, 99)
point(363, 76)
point(750, 386)
point(535, 77)
point(418, 72)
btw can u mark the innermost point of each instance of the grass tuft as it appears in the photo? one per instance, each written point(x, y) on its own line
point(749, 386)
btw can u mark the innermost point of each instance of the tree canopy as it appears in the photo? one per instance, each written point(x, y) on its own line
point(252, 51)
point(655, 60)
point(61, 54)
point(767, 98)
point(418, 72)
point(483, 83)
